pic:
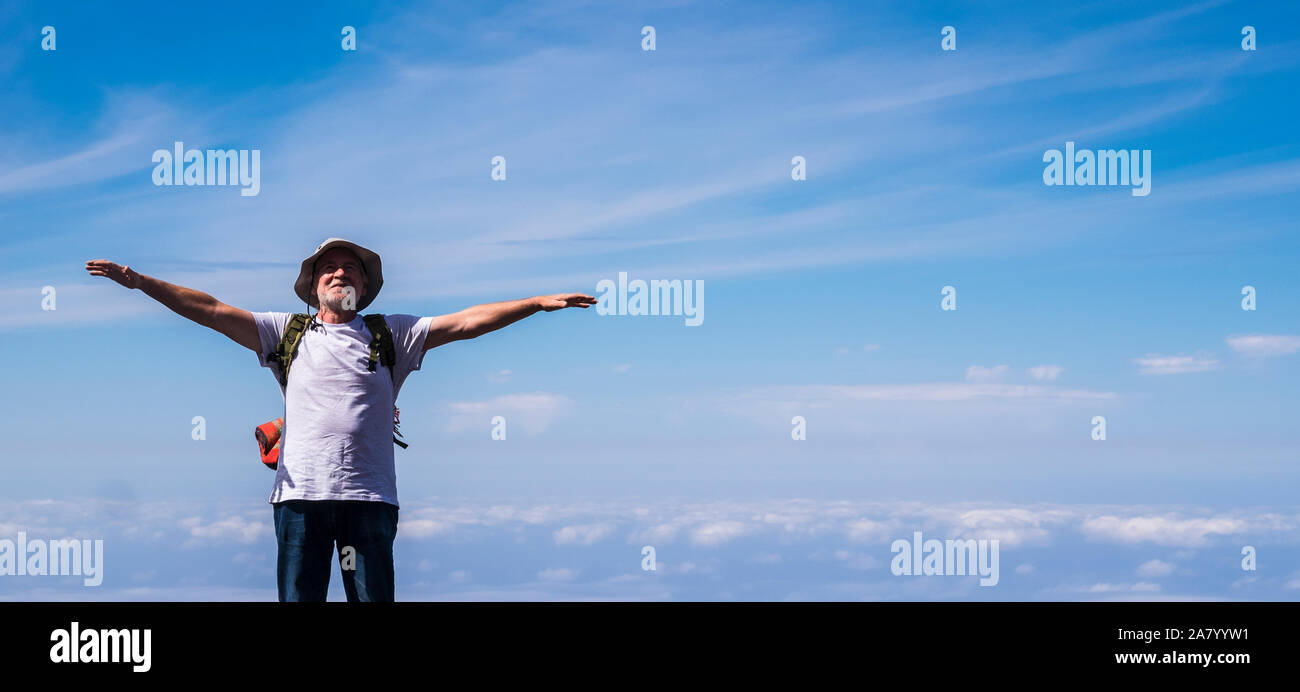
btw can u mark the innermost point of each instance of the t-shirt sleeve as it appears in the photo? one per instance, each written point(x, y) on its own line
point(270, 327)
point(409, 334)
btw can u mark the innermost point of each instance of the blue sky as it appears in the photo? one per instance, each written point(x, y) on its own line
point(924, 170)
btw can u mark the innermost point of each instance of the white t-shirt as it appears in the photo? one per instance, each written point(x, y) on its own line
point(337, 442)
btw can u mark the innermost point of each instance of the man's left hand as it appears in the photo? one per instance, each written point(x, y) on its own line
point(565, 300)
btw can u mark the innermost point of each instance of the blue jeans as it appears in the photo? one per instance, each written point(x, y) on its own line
point(307, 531)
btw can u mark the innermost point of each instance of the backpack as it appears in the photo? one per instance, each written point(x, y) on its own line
point(381, 351)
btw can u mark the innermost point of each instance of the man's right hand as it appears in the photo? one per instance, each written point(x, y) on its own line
point(123, 275)
point(194, 305)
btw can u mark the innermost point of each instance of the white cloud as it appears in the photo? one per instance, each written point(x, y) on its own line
point(857, 561)
point(656, 535)
point(1162, 530)
point(1106, 587)
point(935, 391)
point(684, 568)
point(134, 119)
point(1155, 568)
point(330, 151)
point(583, 534)
point(978, 373)
point(232, 528)
point(1153, 364)
point(1264, 344)
point(867, 531)
point(716, 533)
point(1009, 526)
point(871, 347)
point(532, 413)
point(423, 528)
point(499, 376)
point(781, 527)
point(1045, 373)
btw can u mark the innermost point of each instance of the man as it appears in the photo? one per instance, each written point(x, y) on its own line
point(335, 483)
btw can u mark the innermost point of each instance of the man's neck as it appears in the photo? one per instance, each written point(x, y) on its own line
point(329, 316)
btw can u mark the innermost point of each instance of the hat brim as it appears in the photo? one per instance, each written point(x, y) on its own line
point(374, 272)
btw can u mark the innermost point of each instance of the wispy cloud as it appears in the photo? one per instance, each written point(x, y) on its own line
point(129, 123)
point(717, 533)
point(532, 412)
point(834, 539)
point(1109, 588)
point(1153, 364)
point(1162, 530)
point(1264, 344)
point(557, 574)
point(230, 528)
point(1155, 568)
point(979, 373)
point(326, 156)
point(583, 534)
point(929, 391)
point(1045, 373)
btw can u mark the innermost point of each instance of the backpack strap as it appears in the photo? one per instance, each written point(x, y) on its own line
point(288, 346)
point(381, 343)
point(383, 351)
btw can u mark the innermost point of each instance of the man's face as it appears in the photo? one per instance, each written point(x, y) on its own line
point(336, 271)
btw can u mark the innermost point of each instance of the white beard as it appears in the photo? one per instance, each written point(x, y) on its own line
point(333, 301)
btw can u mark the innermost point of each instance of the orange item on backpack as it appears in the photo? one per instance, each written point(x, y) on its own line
point(268, 441)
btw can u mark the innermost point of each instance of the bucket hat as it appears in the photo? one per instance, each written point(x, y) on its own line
point(370, 260)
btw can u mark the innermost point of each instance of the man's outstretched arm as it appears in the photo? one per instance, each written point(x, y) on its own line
point(188, 303)
point(481, 319)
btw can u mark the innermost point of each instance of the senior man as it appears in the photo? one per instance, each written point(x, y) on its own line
point(335, 483)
